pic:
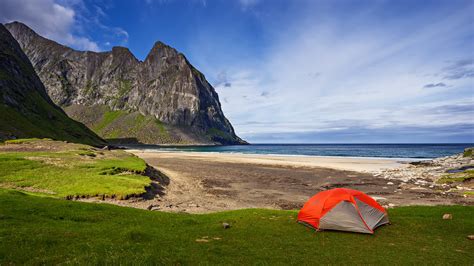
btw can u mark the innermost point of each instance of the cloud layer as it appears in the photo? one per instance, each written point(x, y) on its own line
point(48, 18)
point(343, 77)
point(69, 22)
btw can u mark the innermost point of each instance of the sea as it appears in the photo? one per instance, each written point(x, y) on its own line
point(408, 151)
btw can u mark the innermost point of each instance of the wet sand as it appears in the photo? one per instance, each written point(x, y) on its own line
point(206, 182)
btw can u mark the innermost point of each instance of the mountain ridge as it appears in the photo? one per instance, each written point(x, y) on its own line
point(164, 86)
point(26, 111)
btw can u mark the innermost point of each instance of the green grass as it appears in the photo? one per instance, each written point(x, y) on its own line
point(107, 118)
point(456, 177)
point(39, 230)
point(44, 121)
point(78, 170)
point(163, 132)
point(23, 141)
point(468, 152)
point(218, 135)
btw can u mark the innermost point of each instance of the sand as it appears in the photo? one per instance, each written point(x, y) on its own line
point(207, 182)
point(340, 163)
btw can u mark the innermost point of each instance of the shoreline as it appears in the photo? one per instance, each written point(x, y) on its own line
point(402, 159)
point(358, 164)
point(203, 182)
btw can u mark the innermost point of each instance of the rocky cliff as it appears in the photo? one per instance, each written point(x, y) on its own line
point(163, 96)
point(25, 108)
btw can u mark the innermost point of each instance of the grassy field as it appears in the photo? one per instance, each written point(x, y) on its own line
point(41, 230)
point(61, 169)
point(36, 227)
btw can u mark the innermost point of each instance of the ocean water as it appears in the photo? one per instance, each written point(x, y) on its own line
point(416, 151)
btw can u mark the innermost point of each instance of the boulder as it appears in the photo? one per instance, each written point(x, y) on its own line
point(226, 225)
point(447, 216)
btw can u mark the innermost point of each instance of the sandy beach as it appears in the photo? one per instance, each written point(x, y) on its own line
point(340, 163)
point(198, 182)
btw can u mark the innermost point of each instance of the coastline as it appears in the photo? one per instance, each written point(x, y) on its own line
point(202, 182)
point(359, 164)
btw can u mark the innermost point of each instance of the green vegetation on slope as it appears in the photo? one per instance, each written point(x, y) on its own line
point(218, 135)
point(107, 118)
point(71, 170)
point(43, 121)
point(25, 109)
point(36, 230)
point(122, 126)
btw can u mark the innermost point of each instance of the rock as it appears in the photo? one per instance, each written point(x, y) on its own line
point(226, 225)
point(470, 237)
point(391, 205)
point(389, 183)
point(422, 163)
point(447, 216)
point(25, 104)
point(164, 86)
point(154, 208)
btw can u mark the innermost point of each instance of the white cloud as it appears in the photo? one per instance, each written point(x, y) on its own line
point(319, 76)
point(49, 18)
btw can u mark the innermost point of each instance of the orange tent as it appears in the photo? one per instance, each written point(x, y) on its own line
point(343, 209)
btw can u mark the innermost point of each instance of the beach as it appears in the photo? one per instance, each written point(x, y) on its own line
point(199, 182)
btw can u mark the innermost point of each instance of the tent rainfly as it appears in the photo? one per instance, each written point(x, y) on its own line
point(344, 210)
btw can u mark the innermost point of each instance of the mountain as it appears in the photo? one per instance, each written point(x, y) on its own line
point(162, 99)
point(25, 108)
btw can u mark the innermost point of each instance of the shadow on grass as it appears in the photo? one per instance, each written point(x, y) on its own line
point(158, 184)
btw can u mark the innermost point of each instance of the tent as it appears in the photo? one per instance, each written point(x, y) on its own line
point(344, 210)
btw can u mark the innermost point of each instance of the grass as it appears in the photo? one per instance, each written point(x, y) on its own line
point(44, 120)
point(456, 177)
point(23, 141)
point(162, 132)
point(218, 135)
point(40, 230)
point(468, 152)
point(75, 170)
point(107, 118)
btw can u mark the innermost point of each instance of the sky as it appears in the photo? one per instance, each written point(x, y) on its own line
point(339, 71)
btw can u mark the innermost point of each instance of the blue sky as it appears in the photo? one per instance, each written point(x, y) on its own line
point(298, 71)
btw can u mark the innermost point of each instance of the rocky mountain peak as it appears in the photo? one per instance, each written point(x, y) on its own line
point(165, 86)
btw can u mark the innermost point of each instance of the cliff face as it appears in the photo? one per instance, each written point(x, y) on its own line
point(25, 108)
point(165, 86)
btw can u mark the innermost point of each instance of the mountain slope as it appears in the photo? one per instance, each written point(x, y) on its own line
point(25, 108)
point(165, 89)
